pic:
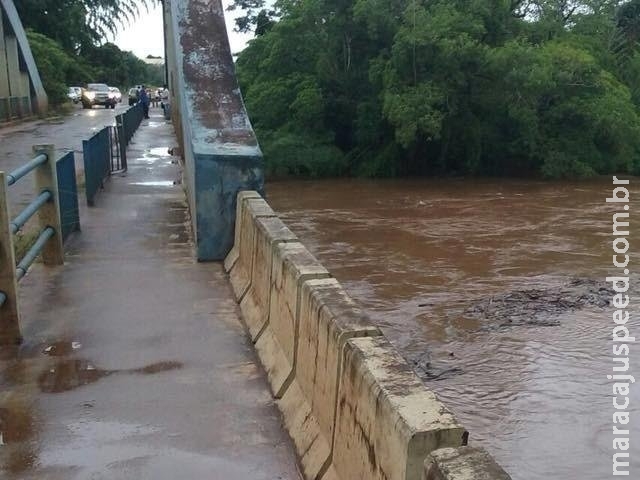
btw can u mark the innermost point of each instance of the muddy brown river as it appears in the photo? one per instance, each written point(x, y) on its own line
point(493, 290)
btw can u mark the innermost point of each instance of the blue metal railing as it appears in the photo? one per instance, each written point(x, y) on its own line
point(34, 251)
point(131, 120)
point(48, 231)
point(97, 162)
point(127, 124)
point(68, 195)
point(98, 151)
point(30, 210)
point(28, 167)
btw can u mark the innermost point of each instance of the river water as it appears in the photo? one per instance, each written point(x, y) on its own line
point(419, 255)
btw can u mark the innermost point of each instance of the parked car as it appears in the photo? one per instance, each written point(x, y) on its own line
point(98, 94)
point(74, 94)
point(134, 96)
point(116, 92)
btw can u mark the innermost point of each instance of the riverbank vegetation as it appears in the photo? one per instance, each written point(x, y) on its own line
point(67, 38)
point(444, 87)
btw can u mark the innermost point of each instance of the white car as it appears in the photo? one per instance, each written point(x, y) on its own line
point(74, 94)
point(116, 93)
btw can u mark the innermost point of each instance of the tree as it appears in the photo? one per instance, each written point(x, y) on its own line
point(258, 18)
point(626, 35)
point(414, 87)
point(53, 63)
point(76, 24)
point(67, 38)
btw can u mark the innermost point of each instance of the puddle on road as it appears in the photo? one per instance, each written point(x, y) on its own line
point(67, 375)
point(16, 423)
point(163, 183)
point(157, 368)
point(158, 152)
point(18, 429)
point(60, 349)
point(28, 350)
point(52, 348)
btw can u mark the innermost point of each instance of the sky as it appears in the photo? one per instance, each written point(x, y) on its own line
point(145, 37)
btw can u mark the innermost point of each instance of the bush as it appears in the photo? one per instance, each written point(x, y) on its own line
point(291, 154)
point(53, 63)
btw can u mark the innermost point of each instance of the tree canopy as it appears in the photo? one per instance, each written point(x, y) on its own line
point(76, 24)
point(68, 39)
point(412, 87)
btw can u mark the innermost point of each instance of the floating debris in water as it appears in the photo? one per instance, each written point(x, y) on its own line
point(541, 307)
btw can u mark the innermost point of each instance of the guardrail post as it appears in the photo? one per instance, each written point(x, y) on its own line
point(122, 143)
point(10, 311)
point(46, 178)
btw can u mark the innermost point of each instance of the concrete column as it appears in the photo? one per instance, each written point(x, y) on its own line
point(10, 311)
point(46, 178)
point(4, 73)
point(222, 155)
point(13, 63)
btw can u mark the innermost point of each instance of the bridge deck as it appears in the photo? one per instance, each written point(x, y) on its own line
point(135, 364)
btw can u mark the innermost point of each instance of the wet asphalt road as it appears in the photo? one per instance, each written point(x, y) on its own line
point(66, 133)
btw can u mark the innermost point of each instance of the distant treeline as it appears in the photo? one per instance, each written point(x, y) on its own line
point(444, 87)
point(67, 40)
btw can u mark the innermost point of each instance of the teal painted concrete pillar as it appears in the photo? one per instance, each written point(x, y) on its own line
point(222, 155)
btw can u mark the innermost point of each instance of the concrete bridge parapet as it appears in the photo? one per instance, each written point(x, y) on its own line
point(352, 405)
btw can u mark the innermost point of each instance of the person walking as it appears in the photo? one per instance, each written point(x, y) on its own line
point(164, 102)
point(144, 100)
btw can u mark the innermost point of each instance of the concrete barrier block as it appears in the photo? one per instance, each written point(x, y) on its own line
point(269, 232)
point(234, 254)
point(328, 318)
point(240, 274)
point(387, 421)
point(292, 266)
point(464, 463)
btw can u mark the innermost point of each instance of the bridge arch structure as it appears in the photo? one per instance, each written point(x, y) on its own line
point(21, 90)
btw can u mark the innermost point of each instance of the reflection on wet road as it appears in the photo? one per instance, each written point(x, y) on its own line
point(425, 256)
point(65, 133)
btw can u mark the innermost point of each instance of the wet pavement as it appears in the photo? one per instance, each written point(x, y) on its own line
point(66, 133)
point(135, 364)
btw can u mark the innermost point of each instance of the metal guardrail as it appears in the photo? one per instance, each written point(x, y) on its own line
point(68, 194)
point(97, 160)
point(117, 150)
point(13, 108)
point(49, 240)
point(126, 126)
point(130, 121)
point(106, 152)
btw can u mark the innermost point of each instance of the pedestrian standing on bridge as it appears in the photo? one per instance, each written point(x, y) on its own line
point(144, 100)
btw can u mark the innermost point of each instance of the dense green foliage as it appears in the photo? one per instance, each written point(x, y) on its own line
point(481, 87)
point(67, 40)
point(76, 24)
